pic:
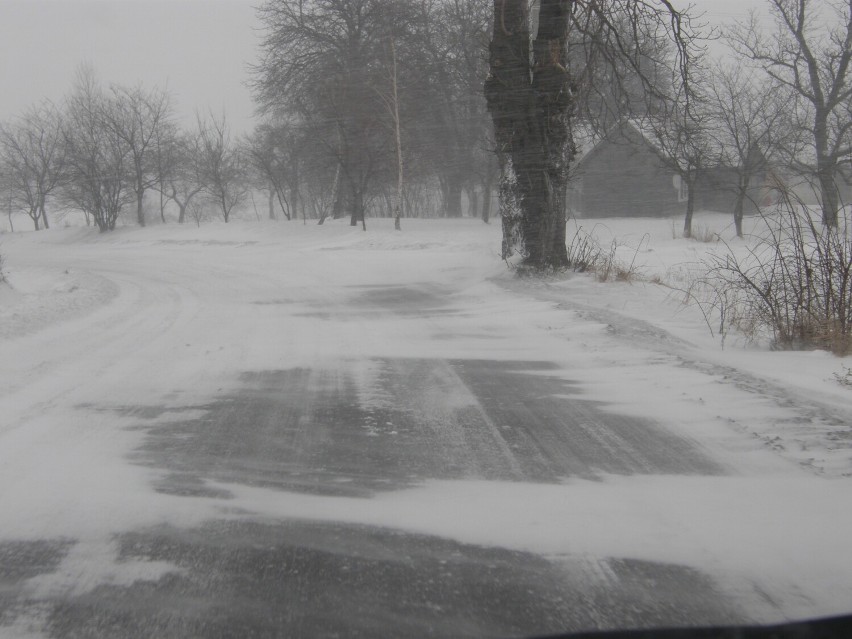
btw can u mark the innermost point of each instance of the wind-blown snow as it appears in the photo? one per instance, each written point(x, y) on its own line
point(168, 317)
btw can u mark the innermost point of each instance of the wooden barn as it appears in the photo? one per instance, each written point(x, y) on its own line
point(624, 175)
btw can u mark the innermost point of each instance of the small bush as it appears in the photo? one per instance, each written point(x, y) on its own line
point(704, 234)
point(584, 252)
point(794, 285)
point(586, 255)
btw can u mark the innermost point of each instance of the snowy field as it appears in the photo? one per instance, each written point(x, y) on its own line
point(168, 317)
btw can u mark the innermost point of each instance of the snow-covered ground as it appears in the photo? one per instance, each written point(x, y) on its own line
point(168, 316)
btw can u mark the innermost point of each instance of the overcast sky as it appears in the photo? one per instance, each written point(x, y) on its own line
point(199, 49)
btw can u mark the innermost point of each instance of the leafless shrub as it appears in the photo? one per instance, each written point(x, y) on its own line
point(584, 252)
point(586, 255)
point(794, 285)
point(704, 234)
point(698, 233)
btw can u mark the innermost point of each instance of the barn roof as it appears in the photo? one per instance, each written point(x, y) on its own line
point(587, 139)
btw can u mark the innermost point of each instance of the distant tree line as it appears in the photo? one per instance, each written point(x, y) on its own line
point(779, 106)
point(104, 149)
point(373, 105)
point(429, 107)
point(781, 111)
point(368, 108)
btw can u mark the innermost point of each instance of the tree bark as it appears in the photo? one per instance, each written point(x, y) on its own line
point(528, 96)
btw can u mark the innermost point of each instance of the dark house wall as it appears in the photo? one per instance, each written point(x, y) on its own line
point(624, 176)
point(623, 179)
point(716, 190)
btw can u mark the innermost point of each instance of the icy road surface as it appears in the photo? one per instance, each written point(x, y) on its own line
point(301, 431)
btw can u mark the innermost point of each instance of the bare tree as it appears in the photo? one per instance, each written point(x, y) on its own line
point(168, 161)
point(274, 153)
point(749, 127)
point(317, 60)
point(140, 117)
point(32, 152)
point(185, 177)
point(443, 63)
point(221, 164)
point(682, 134)
point(809, 54)
point(530, 95)
point(98, 158)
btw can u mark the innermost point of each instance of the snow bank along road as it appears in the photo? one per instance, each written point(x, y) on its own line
point(282, 430)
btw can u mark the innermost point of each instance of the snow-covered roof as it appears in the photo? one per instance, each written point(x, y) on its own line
point(587, 138)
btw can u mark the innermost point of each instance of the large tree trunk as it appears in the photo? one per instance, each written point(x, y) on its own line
point(531, 108)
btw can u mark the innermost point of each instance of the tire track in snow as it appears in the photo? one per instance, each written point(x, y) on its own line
point(809, 421)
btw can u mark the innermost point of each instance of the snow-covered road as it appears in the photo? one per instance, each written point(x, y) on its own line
point(306, 430)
